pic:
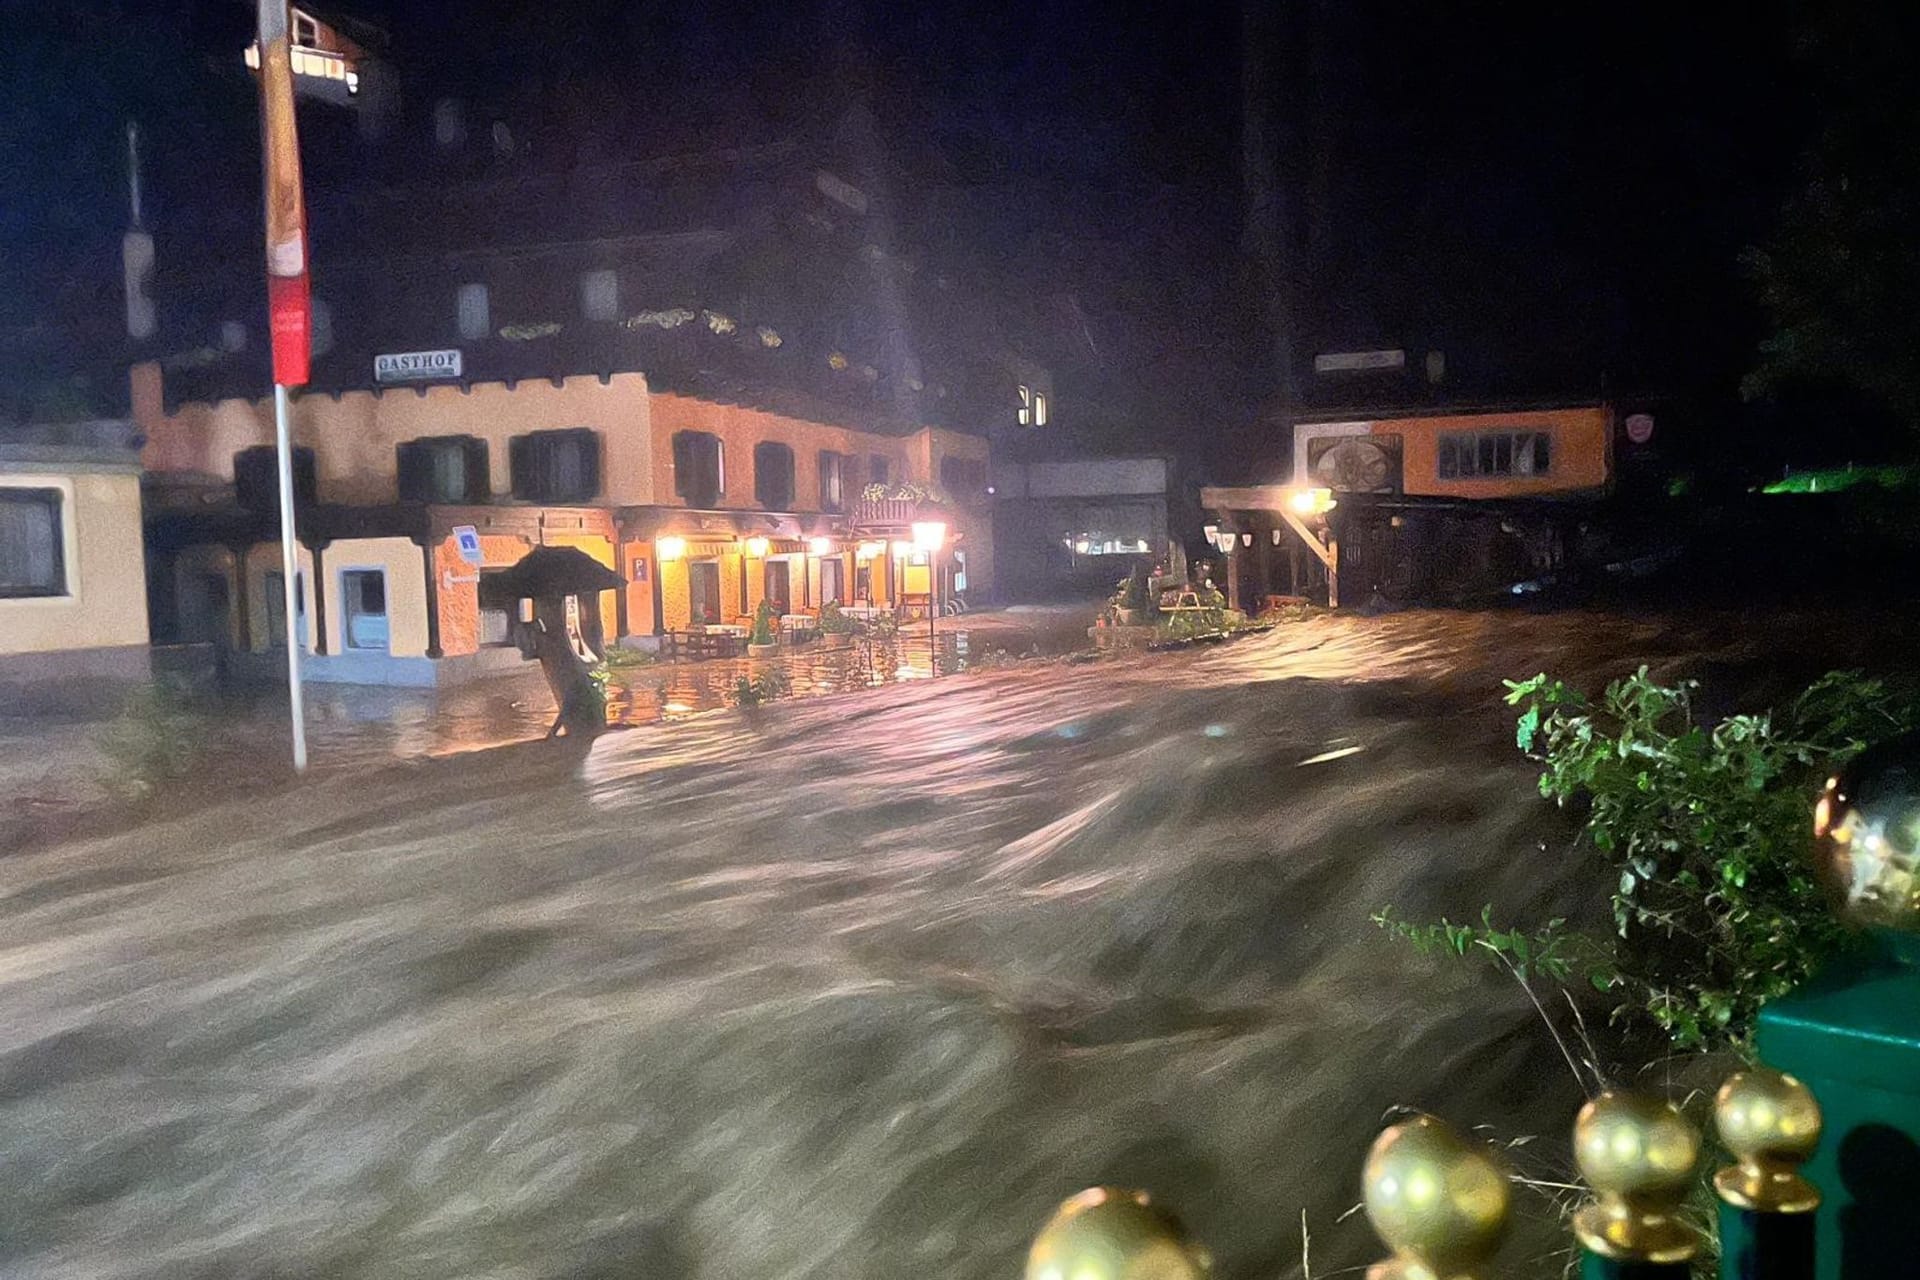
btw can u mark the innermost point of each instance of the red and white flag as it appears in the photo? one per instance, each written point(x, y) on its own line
point(290, 310)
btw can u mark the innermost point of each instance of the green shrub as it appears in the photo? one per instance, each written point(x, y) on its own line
point(1704, 832)
point(768, 686)
point(834, 620)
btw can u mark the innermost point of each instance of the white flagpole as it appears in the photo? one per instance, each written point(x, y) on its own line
point(289, 577)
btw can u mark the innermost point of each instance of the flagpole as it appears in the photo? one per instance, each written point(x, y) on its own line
point(290, 317)
point(290, 577)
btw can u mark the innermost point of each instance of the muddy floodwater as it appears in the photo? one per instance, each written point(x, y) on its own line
point(849, 986)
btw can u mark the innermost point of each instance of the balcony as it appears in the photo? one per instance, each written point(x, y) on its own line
point(889, 513)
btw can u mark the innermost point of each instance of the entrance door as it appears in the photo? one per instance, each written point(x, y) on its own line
point(703, 591)
point(363, 620)
point(779, 586)
point(833, 584)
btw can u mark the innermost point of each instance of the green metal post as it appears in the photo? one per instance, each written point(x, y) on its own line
point(1853, 1033)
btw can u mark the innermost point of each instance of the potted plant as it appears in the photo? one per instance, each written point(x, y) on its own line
point(763, 637)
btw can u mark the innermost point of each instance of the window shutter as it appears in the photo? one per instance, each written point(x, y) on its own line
point(588, 442)
point(519, 463)
point(413, 471)
point(479, 484)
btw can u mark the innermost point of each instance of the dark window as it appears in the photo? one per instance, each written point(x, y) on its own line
point(33, 559)
point(833, 478)
point(1465, 455)
point(256, 478)
point(773, 475)
point(699, 468)
point(555, 466)
point(877, 469)
point(964, 479)
point(443, 469)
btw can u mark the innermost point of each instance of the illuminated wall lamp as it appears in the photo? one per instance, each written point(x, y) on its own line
point(821, 546)
point(757, 548)
point(1246, 539)
point(670, 548)
point(1276, 537)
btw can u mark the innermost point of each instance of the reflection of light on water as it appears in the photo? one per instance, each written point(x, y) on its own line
point(677, 708)
point(1335, 754)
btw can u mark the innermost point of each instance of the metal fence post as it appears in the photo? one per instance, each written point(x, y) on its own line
point(1638, 1155)
point(1771, 1124)
point(1438, 1201)
point(1112, 1233)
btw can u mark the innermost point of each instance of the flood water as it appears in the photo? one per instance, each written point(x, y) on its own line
point(848, 986)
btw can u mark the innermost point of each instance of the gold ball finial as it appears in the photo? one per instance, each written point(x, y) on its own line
point(1638, 1154)
point(1771, 1124)
point(1438, 1201)
point(1112, 1233)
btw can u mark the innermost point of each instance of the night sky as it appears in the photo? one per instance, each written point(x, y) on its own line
point(1556, 196)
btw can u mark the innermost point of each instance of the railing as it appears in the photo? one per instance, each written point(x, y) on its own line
point(1441, 1201)
point(884, 512)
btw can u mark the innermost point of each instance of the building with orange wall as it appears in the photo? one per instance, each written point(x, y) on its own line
point(1434, 504)
point(411, 498)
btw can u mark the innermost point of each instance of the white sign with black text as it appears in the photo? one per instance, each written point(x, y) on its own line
point(416, 366)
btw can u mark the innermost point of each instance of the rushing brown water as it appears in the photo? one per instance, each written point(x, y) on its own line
point(848, 986)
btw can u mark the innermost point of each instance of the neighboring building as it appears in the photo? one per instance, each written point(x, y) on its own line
point(73, 607)
point(703, 507)
point(1078, 525)
point(1431, 504)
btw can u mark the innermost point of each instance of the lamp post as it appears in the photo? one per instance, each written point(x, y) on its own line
point(929, 536)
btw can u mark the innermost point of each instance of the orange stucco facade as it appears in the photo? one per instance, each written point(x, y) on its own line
point(355, 436)
point(1582, 452)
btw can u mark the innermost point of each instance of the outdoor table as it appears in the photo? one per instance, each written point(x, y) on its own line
point(799, 624)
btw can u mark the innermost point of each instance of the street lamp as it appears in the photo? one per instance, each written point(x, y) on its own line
point(929, 536)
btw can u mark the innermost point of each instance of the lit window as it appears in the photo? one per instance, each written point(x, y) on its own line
point(1039, 409)
point(305, 30)
point(476, 317)
point(1024, 415)
point(32, 551)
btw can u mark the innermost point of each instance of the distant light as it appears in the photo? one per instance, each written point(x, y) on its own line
point(1276, 537)
point(1212, 532)
point(757, 548)
point(991, 491)
point(1246, 539)
point(821, 546)
point(1081, 546)
point(670, 547)
point(1215, 731)
point(870, 551)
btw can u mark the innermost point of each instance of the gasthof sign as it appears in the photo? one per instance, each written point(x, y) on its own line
point(416, 366)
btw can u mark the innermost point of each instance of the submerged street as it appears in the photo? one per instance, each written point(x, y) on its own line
point(853, 985)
